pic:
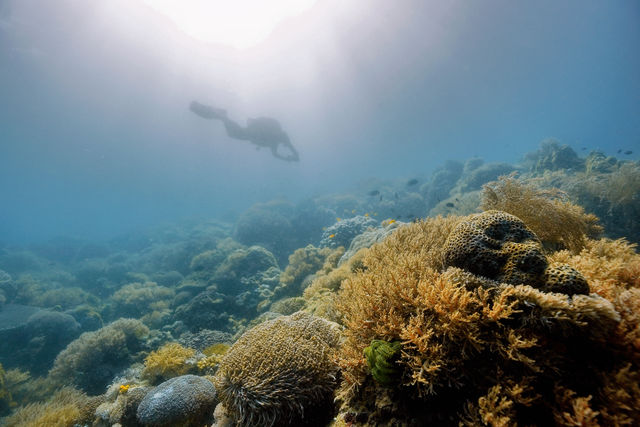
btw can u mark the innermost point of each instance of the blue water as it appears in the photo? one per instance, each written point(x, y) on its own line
point(96, 138)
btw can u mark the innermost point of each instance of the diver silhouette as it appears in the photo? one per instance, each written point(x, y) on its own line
point(261, 131)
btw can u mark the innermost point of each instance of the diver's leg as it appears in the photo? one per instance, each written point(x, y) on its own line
point(234, 130)
point(206, 111)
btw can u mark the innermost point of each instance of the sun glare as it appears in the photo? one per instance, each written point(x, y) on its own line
point(237, 23)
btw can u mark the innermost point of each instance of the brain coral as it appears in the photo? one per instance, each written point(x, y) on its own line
point(499, 246)
point(186, 401)
point(280, 372)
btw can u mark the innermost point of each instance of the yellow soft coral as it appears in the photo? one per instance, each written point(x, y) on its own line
point(555, 220)
point(66, 408)
point(170, 360)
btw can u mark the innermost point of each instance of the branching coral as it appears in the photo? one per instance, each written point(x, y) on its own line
point(612, 268)
point(475, 348)
point(302, 263)
point(548, 213)
point(321, 293)
point(279, 372)
point(170, 360)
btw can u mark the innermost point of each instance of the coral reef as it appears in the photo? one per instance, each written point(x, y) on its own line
point(288, 306)
point(204, 338)
point(6, 401)
point(120, 407)
point(280, 372)
point(556, 221)
point(45, 335)
point(442, 182)
point(344, 230)
point(91, 361)
point(321, 293)
point(369, 237)
point(208, 309)
point(475, 179)
point(304, 264)
point(137, 299)
point(499, 246)
point(268, 225)
point(475, 350)
point(183, 401)
point(552, 156)
point(240, 267)
point(170, 360)
point(66, 408)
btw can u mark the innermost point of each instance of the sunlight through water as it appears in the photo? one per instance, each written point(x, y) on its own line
point(238, 23)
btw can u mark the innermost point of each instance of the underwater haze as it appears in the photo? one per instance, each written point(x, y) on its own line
point(316, 213)
point(97, 139)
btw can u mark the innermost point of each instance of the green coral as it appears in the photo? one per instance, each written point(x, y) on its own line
point(382, 357)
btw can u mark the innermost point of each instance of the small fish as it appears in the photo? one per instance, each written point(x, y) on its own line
point(367, 215)
point(620, 151)
point(397, 195)
point(324, 228)
point(449, 205)
point(331, 236)
point(375, 214)
point(583, 148)
point(373, 193)
point(392, 221)
point(353, 211)
point(380, 198)
point(338, 219)
point(628, 152)
point(412, 182)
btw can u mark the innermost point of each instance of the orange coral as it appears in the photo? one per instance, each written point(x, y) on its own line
point(499, 350)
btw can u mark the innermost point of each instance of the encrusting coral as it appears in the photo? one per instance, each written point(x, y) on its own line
point(476, 350)
point(280, 372)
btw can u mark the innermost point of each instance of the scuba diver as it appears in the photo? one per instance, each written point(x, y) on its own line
point(262, 131)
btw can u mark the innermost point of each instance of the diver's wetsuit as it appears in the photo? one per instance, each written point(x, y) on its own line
point(261, 131)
